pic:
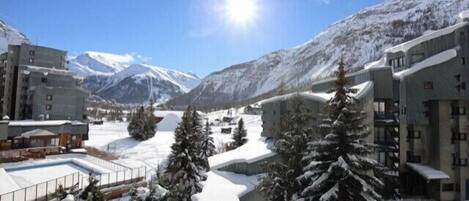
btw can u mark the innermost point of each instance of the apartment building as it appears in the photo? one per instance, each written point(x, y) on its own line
point(420, 117)
point(37, 85)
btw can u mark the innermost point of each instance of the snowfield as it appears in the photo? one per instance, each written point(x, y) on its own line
point(114, 138)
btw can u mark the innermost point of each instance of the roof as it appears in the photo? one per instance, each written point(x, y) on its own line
point(226, 186)
point(430, 61)
point(427, 172)
point(464, 14)
point(37, 133)
point(39, 123)
point(321, 96)
point(47, 70)
point(430, 35)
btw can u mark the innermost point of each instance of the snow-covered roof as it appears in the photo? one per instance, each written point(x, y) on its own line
point(430, 35)
point(44, 123)
point(320, 96)
point(308, 95)
point(464, 14)
point(381, 63)
point(37, 133)
point(428, 172)
point(431, 61)
point(225, 186)
point(7, 184)
point(252, 151)
point(47, 70)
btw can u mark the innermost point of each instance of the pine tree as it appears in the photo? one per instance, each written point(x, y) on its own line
point(280, 183)
point(183, 172)
point(91, 192)
point(142, 125)
point(207, 146)
point(239, 135)
point(338, 165)
point(198, 138)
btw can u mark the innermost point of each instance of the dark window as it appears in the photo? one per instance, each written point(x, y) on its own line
point(463, 86)
point(463, 60)
point(48, 107)
point(457, 136)
point(413, 158)
point(447, 187)
point(457, 161)
point(43, 79)
point(428, 85)
point(31, 52)
point(457, 77)
point(49, 97)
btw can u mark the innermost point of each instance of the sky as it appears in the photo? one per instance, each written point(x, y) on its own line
point(197, 36)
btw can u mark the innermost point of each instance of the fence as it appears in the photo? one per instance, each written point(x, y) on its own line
point(46, 190)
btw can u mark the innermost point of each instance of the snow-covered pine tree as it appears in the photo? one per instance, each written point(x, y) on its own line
point(142, 125)
point(197, 134)
point(280, 183)
point(239, 135)
point(338, 165)
point(183, 172)
point(207, 146)
point(91, 192)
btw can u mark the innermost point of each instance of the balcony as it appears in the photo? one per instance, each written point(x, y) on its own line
point(386, 118)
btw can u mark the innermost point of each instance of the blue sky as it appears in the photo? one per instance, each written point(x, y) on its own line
point(190, 35)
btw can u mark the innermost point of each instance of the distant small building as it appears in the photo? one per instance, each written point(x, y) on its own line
point(27, 134)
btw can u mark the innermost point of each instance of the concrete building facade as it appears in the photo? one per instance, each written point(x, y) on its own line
point(37, 85)
point(419, 114)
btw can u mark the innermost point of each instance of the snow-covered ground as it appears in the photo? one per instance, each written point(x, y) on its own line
point(114, 138)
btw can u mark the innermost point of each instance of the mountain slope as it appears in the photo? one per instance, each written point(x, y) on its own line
point(10, 36)
point(122, 79)
point(359, 39)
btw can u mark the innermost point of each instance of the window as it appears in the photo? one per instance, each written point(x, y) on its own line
point(463, 60)
point(428, 85)
point(457, 136)
point(447, 187)
point(48, 107)
point(457, 77)
point(412, 133)
point(457, 161)
point(31, 60)
point(379, 106)
point(413, 158)
point(31, 52)
point(382, 157)
point(43, 79)
point(380, 134)
point(49, 97)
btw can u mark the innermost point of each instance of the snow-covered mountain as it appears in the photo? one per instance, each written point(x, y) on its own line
point(99, 63)
point(123, 79)
point(10, 36)
point(359, 39)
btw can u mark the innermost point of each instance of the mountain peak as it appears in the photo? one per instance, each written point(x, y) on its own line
point(359, 38)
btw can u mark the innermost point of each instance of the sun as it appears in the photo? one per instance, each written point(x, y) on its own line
point(241, 11)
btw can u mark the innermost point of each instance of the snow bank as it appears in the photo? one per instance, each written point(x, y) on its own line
point(7, 184)
point(409, 44)
point(169, 122)
point(431, 61)
point(225, 186)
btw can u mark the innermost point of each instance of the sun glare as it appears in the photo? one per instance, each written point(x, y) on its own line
point(241, 11)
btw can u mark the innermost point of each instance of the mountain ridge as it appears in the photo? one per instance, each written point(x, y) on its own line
point(359, 38)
